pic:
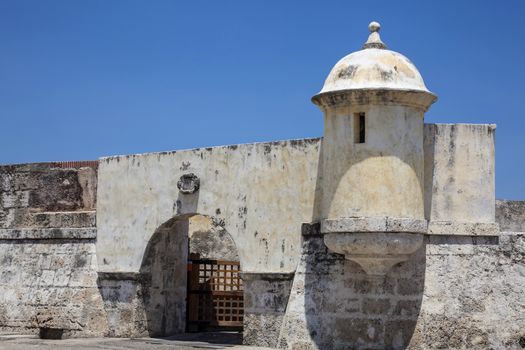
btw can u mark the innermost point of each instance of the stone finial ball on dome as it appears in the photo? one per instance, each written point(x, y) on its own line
point(374, 40)
point(374, 26)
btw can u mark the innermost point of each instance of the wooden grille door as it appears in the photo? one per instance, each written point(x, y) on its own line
point(215, 295)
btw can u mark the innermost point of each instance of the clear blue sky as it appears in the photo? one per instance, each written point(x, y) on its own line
point(85, 79)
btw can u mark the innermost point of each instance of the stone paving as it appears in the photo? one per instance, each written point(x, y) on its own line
point(180, 342)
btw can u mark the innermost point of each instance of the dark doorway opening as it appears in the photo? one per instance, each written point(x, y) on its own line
point(215, 295)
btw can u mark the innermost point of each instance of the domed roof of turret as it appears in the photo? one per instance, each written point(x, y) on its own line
point(374, 67)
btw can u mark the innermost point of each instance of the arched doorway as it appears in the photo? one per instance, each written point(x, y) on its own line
point(188, 269)
point(215, 291)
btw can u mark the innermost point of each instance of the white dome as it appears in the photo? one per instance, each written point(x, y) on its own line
point(374, 67)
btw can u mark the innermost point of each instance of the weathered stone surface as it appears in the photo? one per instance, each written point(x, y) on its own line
point(209, 240)
point(254, 323)
point(50, 284)
point(87, 178)
point(122, 295)
point(510, 215)
point(463, 228)
point(265, 300)
point(456, 292)
point(48, 233)
point(374, 224)
point(459, 173)
point(48, 276)
point(30, 193)
point(62, 192)
point(334, 304)
point(62, 219)
point(208, 340)
point(473, 300)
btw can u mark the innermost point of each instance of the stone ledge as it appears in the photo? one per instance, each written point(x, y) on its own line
point(119, 276)
point(372, 96)
point(74, 219)
point(48, 233)
point(451, 228)
point(267, 276)
point(374, 224)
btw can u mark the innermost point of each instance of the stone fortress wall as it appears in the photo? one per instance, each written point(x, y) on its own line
point(48, 273)
point(456, 292)
point(462, 289)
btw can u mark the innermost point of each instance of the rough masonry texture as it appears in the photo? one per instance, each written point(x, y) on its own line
point(48, 277)
point(449, 295)
point(383, 234)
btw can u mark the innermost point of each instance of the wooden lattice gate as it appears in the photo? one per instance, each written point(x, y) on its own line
point(215, 295)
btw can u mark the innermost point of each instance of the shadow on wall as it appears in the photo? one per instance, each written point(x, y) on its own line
point(352, 181)
point(347, 309)
point(430, 154)
point(164, 279)
point(342, 306)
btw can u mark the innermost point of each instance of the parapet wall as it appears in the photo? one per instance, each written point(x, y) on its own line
point(262, 193)
point(29, 192)
point(48, 278)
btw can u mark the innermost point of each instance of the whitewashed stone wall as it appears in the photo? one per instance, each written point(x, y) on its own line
point(459, 179)
point(261, 192)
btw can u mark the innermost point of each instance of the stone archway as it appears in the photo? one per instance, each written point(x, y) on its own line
point(209, 240)
point(164, 267)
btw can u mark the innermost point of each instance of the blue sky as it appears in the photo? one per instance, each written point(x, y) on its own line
point(85, 79)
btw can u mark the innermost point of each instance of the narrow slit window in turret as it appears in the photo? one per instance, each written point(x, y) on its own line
point(359, 127)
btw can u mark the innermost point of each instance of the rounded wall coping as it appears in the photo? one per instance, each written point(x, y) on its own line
point(456, 228)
